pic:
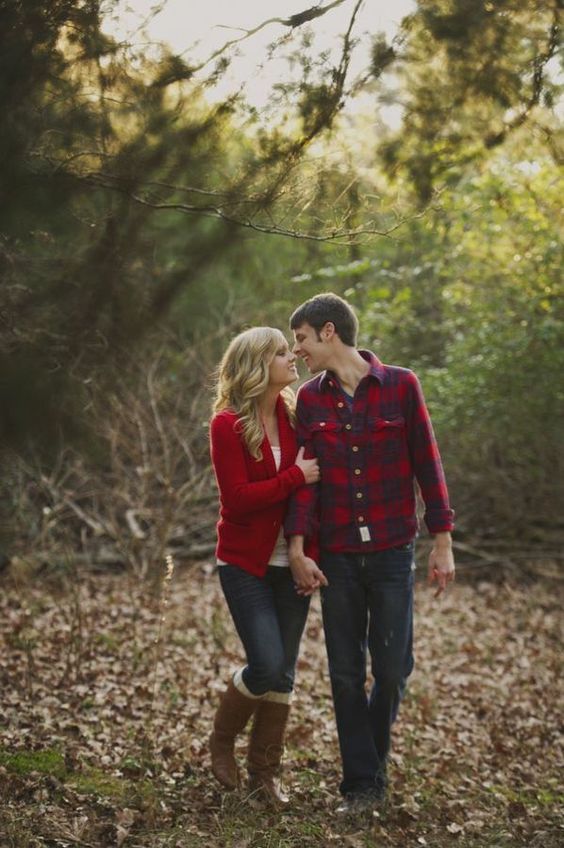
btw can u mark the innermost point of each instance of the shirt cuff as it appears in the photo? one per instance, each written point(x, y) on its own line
point(440, 520)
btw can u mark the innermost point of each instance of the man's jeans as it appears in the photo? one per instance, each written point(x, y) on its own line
point(368, 603)
point(270, 618)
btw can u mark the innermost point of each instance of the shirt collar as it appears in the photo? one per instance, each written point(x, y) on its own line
point(328, 379)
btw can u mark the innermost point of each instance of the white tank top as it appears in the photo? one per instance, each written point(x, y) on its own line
point(280, 553)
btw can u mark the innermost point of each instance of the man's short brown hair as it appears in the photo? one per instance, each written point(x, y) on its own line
point(318, 310)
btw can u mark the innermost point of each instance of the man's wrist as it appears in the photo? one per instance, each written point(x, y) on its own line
point(443, 540)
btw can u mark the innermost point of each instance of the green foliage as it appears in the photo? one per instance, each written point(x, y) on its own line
point(471, 297)
point(383, 55)
point(44, 762)
point(122, 186)
point(473, 72)
point(84, 130)
point(94, 781)
point(134, 207)
point(499, 398)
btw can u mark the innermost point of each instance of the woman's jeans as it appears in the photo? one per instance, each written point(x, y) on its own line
point(270, 618)
point(367, 604)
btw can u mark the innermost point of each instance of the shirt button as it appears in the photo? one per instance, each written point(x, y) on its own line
point(359, 494)
point(340, 404)
point(348, 426)
point(357, 471)
point(355, 448)
point(360, 519)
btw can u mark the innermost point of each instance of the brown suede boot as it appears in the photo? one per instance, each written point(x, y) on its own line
point(233, 713)
point(266, 747)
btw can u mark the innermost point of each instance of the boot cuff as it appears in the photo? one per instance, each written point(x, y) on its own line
point(279, 697)
point(240, 685)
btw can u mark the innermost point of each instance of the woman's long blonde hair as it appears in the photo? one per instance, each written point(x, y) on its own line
point(242, 378)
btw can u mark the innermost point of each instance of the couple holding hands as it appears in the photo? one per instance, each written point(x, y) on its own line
point(318, 493)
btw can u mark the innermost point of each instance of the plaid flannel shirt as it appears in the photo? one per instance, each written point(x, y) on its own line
point(370, 456)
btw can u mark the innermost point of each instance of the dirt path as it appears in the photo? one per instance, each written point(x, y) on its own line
point(105, 710)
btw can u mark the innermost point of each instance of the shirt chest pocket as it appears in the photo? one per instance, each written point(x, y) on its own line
point(327, 438)
point(387, 437)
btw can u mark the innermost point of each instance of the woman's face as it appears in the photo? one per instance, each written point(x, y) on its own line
point(283, 371)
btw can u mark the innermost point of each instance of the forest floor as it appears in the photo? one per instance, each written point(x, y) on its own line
point(108, 691)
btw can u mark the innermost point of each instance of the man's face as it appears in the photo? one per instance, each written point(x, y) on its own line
point(312, 349)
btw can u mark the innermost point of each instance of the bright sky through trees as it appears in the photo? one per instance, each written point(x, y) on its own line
point(197, 29)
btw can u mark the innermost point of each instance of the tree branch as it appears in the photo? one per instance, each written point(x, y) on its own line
point(292, 22)
point(337, 235)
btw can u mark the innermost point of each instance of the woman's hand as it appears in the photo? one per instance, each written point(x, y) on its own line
point(307, 576)
point(308, 467)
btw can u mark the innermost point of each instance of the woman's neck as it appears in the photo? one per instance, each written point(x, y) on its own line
point(267, 412)
point(267, 404)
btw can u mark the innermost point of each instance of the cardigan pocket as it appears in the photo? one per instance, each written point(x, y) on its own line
point(233, 535)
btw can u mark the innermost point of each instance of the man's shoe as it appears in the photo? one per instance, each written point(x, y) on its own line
point(359, 803)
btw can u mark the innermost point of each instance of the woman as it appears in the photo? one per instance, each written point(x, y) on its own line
point(257, 466)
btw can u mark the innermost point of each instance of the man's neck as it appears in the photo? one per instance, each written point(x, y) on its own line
point(349, 367)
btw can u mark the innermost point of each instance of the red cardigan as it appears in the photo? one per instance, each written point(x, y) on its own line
point(253, 494)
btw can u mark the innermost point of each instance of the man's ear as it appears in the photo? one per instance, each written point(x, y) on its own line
point(328, 331)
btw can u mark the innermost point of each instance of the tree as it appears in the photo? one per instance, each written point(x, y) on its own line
point(472, 72)
point(472, 298)
point(97, 138)
point(125, 185)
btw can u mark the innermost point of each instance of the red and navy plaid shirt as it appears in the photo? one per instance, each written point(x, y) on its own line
point(370, 454)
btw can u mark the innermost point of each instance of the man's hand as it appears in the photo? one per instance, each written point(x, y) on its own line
point(307, 576)
point(441, 563)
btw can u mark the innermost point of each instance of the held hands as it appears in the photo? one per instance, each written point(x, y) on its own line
point(307, 576)
point(308, 467)
point(441, 563)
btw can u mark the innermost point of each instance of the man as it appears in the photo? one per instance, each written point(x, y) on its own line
point(369, 428)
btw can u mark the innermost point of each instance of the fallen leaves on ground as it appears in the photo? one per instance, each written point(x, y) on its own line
point(108, 692)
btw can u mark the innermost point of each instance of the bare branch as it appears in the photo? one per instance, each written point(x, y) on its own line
point(347, 46)
point(133, 524)
point(292, 22)
point(336, 235)
point(324, 116)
